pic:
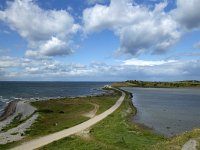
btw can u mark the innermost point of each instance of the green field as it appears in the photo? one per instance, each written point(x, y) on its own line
point(64, 113)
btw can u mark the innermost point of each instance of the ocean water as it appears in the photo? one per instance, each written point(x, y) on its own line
point(167, 111)
point(45, 90)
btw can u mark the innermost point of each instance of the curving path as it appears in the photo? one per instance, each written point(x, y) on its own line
point(93, 112)
point(34, 144)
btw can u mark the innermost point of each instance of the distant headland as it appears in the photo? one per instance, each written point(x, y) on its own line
point(158, 84)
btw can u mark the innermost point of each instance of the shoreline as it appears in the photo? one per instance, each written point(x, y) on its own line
point(16, 119)
point(187, 140)
point(140, 125)
point(9, 110)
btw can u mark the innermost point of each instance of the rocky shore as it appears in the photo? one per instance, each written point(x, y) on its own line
point(14, 108)
point(9, 110)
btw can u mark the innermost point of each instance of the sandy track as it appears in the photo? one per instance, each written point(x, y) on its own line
point(67, 132)
point(93, 112)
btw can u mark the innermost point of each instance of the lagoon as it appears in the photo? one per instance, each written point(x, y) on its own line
point(167, 111)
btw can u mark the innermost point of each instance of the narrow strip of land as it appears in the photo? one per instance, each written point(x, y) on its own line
point(34, 144)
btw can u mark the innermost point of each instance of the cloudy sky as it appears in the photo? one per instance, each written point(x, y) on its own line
point(99, 40)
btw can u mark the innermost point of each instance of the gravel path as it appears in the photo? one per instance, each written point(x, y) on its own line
point(34, 144)
point(190, 145)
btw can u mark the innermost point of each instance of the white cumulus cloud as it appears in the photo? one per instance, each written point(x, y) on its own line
point(41, 28)
point(139, 62)
point(187, 13)
point(52, 47)
point(140, 29)
point(12, 68)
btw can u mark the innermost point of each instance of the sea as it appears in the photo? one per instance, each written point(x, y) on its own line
point(167, 111)
point(45, 90)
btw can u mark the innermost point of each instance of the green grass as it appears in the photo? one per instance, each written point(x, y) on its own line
point(56, 115)
point(64, 113)
point(176, 143)
point(51, 119)
point(73, 143)
point(114, 132)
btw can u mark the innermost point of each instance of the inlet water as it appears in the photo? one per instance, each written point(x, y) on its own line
point(167, 111)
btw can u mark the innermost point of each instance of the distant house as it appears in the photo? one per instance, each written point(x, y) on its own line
point(108, 86)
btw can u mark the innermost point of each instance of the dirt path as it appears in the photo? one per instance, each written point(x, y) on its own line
point(67, 132)
point(93, 112)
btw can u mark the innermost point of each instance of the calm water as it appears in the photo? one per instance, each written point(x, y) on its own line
point(41, 90)
point(167, 111)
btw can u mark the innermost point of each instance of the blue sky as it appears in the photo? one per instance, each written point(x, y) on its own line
point(99, 40)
